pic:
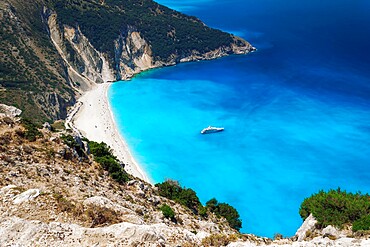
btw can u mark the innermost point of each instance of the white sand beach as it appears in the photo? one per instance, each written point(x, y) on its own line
point(94, 119)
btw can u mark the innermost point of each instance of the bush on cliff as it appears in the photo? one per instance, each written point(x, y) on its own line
point(173, 191)
point(168, 212)
point(187, 197)
point(337, 207)
point(104, 156)
point(362, 223)
point(32, 131)
point(72, 143)
point(225, 210)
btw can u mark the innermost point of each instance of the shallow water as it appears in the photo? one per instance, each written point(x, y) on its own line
point(296, 113)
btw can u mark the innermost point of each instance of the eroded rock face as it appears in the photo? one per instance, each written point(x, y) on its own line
point(86, 66)
point(132, 54)
point(308, 225)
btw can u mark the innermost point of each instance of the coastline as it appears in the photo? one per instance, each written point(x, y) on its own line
point(94, 119)
point(92, 116)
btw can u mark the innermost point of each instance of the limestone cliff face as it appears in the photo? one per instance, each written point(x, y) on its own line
point(86, 66)
point(132, 54)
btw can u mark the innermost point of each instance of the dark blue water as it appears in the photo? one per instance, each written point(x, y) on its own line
point(296, 113)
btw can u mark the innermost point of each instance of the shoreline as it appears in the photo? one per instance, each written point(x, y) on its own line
point(95, 120)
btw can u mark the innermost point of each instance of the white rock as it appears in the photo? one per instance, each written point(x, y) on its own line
point(308, 224)
point(26, 196)
point(15, 231)
point(332, 231)
point(6, 189)
point(9, 111)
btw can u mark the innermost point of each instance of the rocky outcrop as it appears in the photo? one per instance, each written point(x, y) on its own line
point(306, 228)
point(47, 190)
point(239, 47)
point(9, 111)
point(19, 232)
point(86, 66)
point(132, 54)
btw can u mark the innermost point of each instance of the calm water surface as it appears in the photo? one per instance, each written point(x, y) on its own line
point(296, 113)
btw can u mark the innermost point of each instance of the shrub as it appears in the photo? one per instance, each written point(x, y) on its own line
point(102, 216)
point(278, 236)
point(104, 156)
point(63, 205)
point(167, 212)
point(225, 210)
point(187, 197)
point(202, 211)
point(172, 190)
point(362, 223)
point(336, 208)
point(32, 131)
point(72, 143)
point(58, 125)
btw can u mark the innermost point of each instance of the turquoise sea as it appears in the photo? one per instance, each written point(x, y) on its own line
point(296, 112)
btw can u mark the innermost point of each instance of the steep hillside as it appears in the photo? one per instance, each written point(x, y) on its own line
point(52, 50)
point(32, 74)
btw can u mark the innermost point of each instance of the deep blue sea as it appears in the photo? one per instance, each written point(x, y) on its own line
point(296, 112)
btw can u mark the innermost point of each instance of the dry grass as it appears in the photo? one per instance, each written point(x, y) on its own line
point(100, 216)
point(218, 240)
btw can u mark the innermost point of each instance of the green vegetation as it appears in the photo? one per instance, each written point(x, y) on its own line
point(188, 198)
point(225, 210)
point(29, 74)
point(32, 131)
point(72, 143)
point(103, 155)
point(58, 125)
point(167, 31)
point(173, 191)
point(168, 212)
point(362, 223)
point(338, 208)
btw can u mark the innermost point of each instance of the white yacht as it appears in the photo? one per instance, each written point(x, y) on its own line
point(211, 129)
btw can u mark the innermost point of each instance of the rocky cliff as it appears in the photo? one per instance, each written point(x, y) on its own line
point(32, 75)
point(52, 51)
point(51, 195)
